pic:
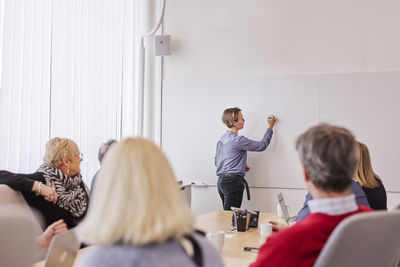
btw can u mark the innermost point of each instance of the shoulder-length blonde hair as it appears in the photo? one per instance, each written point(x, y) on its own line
point(364, 174)
point(58, 149)
point(136, 199)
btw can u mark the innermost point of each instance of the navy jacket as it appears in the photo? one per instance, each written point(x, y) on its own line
point(355, 188)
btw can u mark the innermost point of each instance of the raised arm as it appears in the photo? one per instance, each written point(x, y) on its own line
point(251, 145)
point(247, 144)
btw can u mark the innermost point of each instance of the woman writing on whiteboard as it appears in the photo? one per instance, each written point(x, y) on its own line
point(231, 156)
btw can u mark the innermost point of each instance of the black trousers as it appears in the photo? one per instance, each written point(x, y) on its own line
point(230, 189)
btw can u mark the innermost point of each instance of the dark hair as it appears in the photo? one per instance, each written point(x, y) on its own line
point(230, 115)
point(330, 155)
point(104, 147)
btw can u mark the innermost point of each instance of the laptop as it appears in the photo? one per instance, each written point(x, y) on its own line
point(63, 249)
point(289, 220)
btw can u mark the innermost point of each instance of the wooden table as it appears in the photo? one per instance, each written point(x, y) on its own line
point(232, 252)
point(77, 261)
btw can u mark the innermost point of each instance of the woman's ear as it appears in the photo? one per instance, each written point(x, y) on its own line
point(65, 162)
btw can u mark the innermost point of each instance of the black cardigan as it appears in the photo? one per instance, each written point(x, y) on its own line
point(376, 196)
point(50, 212)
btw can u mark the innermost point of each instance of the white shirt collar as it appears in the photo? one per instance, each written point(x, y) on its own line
point(333, 206)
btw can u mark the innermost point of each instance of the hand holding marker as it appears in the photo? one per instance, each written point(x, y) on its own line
point(271, 121)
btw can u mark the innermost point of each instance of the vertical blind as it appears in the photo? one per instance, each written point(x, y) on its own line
point(68, 71)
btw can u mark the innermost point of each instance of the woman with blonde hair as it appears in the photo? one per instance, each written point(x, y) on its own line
point(369, 181)
point(231, 157)
point(56, 189)
point(138, 215)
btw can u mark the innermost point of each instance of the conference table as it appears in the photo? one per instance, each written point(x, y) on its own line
point(232, 251)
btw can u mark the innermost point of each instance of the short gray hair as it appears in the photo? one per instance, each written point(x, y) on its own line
point(103, 149)
point(330, 155)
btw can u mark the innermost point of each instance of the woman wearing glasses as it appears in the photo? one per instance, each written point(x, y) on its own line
point(56, 189)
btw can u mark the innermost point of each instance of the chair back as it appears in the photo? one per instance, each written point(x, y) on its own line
point(367, 239)
point(12, 203)
point(8, 197)
point(18, 234)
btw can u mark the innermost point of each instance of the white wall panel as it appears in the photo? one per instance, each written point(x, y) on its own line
point(366, 103)
point(261, 37)
point(222, 49)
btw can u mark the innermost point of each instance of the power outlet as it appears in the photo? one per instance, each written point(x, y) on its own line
point(162, 45)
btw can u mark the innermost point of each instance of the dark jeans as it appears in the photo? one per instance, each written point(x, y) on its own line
point(230, 190)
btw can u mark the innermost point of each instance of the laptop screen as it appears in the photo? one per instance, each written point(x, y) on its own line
point(284, 208)
point(63, 249)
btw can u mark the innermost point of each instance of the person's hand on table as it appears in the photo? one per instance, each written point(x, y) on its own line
point(58, 227)
point(277, 226)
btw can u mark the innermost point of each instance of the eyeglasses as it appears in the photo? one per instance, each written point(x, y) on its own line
point(80, 155)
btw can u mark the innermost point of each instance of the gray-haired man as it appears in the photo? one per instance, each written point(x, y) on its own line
point(329, 157)
point(102, 151)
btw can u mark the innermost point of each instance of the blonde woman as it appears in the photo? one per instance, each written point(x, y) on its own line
point(369, 181)
point(56, 189)
point(138, 215)
point(231, 157)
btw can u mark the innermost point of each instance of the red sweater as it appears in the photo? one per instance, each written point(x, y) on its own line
point(300, 244)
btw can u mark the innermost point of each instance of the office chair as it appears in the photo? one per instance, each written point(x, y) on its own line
point(18, 234)
point(367, 239)
point(14, 213)
point(11, 198)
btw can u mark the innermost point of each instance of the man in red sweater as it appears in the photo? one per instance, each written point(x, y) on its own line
point(329, 158)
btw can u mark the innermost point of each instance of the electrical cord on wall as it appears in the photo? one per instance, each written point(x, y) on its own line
point(141, 74)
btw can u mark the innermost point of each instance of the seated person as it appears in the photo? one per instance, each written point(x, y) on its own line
point(56, 189)
point(366, 186)
point(329, 157)
point(355, 189)
point(102, 152)
point(141, 218)
point(369, 181)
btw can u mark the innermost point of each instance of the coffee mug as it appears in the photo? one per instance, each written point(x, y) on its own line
point(217, 239)
point(279, 210)
point(265, 229)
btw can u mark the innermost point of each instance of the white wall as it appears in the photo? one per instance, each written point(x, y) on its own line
point(260, 37)
point(231, 39)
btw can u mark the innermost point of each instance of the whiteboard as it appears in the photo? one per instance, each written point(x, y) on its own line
point(366, 103)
